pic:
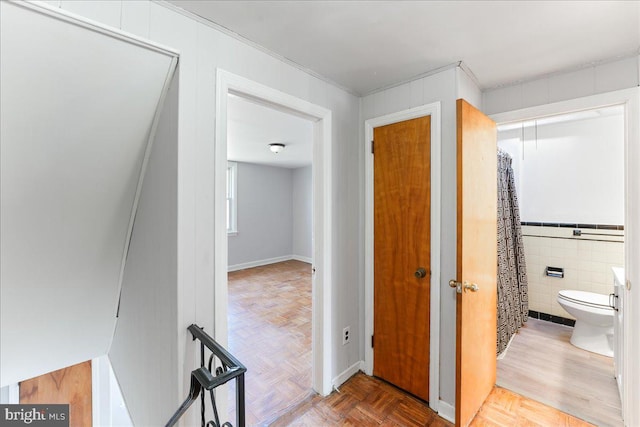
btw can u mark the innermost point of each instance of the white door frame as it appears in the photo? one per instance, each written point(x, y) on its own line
point(630, 98)
point(432, 110)
point(226, 83)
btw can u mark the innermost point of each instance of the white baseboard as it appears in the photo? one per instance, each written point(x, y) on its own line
point(302, 258)
point(259, 263)
point(268, 261)
point(447, 411)
point(347, 373)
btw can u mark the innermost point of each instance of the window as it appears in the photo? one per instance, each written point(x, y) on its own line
point(232, 202)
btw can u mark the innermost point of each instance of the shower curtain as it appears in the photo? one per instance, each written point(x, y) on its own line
point(513, 305)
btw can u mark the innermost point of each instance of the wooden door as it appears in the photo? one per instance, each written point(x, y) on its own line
point(477, 254)
point(402, 237)
point(70, 385)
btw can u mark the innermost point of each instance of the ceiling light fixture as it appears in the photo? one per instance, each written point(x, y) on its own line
point(276, 147)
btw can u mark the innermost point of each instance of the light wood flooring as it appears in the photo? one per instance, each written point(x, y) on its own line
point(542, 364)
point(270, 333)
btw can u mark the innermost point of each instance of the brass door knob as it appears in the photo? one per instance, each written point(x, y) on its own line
point(470, 287)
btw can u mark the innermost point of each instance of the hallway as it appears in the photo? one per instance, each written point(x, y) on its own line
point(270, 332)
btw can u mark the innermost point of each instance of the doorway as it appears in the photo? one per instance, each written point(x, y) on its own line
point(571, 246)
point(269, 221)
point(228, 83)
point(433, 112)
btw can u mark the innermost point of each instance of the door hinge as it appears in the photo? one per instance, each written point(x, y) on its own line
point(371, 341)
point(372, 147)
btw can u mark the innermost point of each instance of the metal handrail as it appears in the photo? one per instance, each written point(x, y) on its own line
point(202, 380)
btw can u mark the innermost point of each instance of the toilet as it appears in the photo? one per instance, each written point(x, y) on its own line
point(594, 320)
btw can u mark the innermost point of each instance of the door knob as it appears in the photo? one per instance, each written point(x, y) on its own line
point(457, 285)
point(420, 273)
point(470, 287)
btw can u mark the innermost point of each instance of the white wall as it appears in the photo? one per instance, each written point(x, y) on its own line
point(108, 406)
point(598, 78)
point(467, 88)
point(203, 49)
point(264, 201)
point(441, 87)
point(274, 208)
point(302, 204)
point(573, 173)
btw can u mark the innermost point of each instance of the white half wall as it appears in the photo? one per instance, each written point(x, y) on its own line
point(302, 213)
point(78, 103)
point(145, 347)
point(265, 221)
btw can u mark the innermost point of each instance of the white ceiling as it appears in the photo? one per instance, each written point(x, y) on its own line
point(366, 45)
point(252, 127)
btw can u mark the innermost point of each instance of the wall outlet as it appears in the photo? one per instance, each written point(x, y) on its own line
point(346, 335)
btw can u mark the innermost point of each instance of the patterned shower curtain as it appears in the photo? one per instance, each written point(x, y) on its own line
point(513, 303)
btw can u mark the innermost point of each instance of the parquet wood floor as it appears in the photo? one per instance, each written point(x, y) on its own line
point(362, 401)
point(368, 401)
point(270, 332)
point(542, 364)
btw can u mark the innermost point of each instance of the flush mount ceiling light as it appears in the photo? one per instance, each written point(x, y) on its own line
point(276, 147)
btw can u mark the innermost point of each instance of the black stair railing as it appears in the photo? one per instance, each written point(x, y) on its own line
point(203, 380)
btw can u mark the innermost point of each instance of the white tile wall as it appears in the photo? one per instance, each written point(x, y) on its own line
point(587, 264)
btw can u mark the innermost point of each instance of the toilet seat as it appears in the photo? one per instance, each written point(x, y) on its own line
point(593, 330)
point(589, 299)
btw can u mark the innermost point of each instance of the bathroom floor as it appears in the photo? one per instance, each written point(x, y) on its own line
point(542, 365)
